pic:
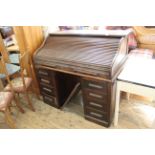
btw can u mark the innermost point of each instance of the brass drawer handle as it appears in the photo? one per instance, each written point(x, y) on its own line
point(49, 99)
point(95, 114)
point(95, 104)
point(43, 73)
point(45, 81)
point(95, 95)
point(94, 86)
point(46, 89)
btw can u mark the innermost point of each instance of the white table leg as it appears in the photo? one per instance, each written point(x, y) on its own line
point(117, 105)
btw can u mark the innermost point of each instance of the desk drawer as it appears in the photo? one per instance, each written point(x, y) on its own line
point(100, 86)
point(51, 100)
point(46, 81)
point(97, 95)
point(96, 114)
point(47, 90)
point(95, 104)
point(43, 72)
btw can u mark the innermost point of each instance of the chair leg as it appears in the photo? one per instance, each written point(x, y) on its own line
point(18, 105)
point(29, 102)
point(8, 119)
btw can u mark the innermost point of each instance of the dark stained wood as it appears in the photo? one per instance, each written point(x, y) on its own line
point(101, 115)
point(64, 61)
point(51, 100)
point(95, 85)
point(88, 55)
point(97, 97)
point(101, 105)
point(74, 92)
point(55, 86)
point(65, 84)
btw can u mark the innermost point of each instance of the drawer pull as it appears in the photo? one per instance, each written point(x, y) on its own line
point(45, 81)
point(95, 104)
point(43, 73)
point(94, 86)
point(46, 89)
point(95, 95)
point(95, 114)
point(49, 99)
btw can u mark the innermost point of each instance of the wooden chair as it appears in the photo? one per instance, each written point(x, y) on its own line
point(23, 82)
point(6, 98)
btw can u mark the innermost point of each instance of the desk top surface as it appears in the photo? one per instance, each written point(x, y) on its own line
point(139, 71)
point(94, 32)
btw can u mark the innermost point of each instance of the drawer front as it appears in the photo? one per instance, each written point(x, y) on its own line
point(98, 121)
point(46, 81)
point(101, 86)
point(96, 114)
point(50, 100)
point(95, 104)
point(47, 90)
point(43, 72)
point(96, 95)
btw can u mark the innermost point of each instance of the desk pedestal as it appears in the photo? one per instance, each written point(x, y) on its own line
point(98, 96)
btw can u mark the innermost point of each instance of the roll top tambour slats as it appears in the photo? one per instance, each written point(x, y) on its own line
point(79, 53)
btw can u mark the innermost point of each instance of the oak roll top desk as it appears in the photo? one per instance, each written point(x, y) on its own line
point(92, 59)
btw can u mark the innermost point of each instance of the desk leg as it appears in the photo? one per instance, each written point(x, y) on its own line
point(117, 105)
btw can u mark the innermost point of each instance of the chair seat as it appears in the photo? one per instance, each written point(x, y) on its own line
point(5, 99)
point(144, 53)
point(17, 84)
